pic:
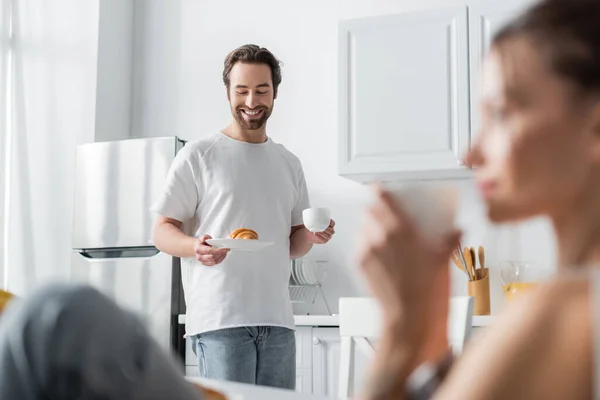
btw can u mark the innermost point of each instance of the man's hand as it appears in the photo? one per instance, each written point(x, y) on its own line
point(322, 237)
point(207, 254)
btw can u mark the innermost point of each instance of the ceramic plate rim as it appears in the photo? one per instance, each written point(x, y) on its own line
point(255, 246)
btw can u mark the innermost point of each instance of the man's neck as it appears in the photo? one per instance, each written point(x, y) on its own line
point(235, 131)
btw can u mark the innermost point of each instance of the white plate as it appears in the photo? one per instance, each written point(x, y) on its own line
point(301, 273)
point(308, 268)
point(297, 272)
point(294, 277)
point(239, 244)
point(298, 277)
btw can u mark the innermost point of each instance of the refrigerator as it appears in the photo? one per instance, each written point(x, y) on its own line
point(116, 183)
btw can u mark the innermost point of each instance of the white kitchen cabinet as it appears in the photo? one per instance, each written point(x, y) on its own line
point(485, 18)
point(304, 381)
point(190, 357)
point(318, 355)
point(192, 371)
point(317, 361)
point(304, 375)
point(326, 361)
point(404, 95)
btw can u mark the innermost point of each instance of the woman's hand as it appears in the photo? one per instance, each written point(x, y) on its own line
point(408, 274)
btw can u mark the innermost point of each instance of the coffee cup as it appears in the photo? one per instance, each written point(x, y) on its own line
point(316, 219)
point(432, 209)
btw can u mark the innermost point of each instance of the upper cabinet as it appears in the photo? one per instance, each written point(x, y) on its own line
point(403, 95)
point(406, 90)
point(485, 18)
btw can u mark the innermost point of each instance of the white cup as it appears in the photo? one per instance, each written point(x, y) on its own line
point(432, 209)
point(316, 219)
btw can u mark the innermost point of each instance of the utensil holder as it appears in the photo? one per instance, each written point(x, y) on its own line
point(480, 290)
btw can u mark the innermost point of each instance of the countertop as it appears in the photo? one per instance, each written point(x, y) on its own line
point(333, 320)
point(241, 391)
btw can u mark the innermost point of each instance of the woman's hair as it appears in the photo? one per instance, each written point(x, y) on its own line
point(567, 34)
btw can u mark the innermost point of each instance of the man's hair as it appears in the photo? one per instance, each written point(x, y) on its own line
point(251, 53)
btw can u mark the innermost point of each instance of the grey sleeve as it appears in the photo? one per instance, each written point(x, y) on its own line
point(71, 342)
point(182, 191)
point(302, 200)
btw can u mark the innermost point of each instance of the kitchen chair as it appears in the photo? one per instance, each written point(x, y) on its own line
point(360, 320)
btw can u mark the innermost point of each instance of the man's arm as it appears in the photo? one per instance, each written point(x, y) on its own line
point(169, 238)
point(301, 239)
point(300, 242)
point(178, 202)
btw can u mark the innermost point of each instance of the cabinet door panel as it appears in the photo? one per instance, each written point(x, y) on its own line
point(404, 106)
point(326, 361)
point(485, 18)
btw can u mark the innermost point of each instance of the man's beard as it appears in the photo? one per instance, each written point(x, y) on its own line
point(253, 124)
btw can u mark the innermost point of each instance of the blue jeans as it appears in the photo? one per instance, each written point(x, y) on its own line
point(261, 355)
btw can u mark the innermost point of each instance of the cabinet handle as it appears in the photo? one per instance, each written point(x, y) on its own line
point(316, 341)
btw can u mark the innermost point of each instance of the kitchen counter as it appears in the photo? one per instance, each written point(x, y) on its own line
point(317, 320)
point(334, 320)
point(302, 320)
point(240, 391)
point(482, 320)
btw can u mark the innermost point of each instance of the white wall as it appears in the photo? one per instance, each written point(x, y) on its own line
point(114, 71)
point(180, 47)
point(4, 51)
point(157, 63)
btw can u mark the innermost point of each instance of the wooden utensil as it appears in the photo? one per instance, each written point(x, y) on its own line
point(457, 261)
point(469, 263)
point(474, 259)
point(481, 257)
point(462, 257)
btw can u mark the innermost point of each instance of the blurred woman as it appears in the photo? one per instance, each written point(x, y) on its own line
point(538, 153)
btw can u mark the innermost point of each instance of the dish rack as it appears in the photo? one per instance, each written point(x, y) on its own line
point(305, 281)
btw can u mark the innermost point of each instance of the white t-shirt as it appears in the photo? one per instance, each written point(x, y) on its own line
point(216, 185)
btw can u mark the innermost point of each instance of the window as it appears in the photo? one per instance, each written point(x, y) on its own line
point(6, 80)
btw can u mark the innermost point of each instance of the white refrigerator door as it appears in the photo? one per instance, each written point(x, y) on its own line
point(139, 283)
point(115, 185)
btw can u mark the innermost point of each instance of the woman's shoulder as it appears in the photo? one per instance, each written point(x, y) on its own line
point(568, 300)
point(541, 347)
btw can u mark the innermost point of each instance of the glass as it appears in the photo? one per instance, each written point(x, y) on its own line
point(519, 277)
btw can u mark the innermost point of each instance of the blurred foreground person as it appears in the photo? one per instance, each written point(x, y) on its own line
point(538, 154)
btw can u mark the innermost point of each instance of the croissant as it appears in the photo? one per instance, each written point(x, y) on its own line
point(5, 298)
point(244, 233)
point(208, 393)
